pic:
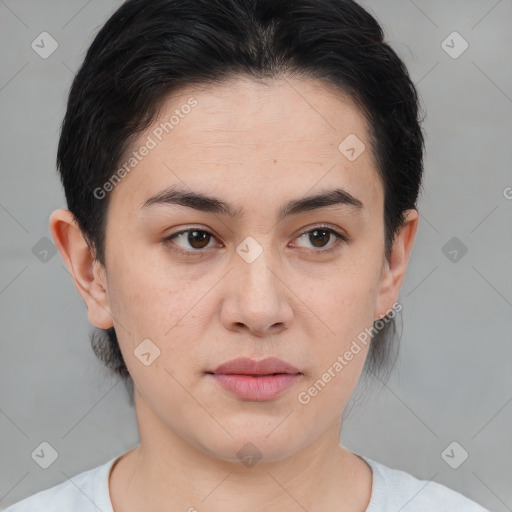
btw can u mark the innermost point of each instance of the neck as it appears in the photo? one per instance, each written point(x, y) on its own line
point(166, 472)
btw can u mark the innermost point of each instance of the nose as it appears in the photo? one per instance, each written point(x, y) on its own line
point(257, 299)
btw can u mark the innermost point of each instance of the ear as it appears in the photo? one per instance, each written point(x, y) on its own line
point(89, 275)
point(394, 268)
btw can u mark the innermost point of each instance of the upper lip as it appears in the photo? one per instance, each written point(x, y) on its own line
point(246, 366)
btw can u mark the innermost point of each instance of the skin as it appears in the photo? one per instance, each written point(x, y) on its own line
point(255, 145)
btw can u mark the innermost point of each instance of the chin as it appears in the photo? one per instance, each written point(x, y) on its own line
point(258, 446)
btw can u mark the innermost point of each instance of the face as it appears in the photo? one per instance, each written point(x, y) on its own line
point(204, 285)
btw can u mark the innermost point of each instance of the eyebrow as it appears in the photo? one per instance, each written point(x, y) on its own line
point(204, 203)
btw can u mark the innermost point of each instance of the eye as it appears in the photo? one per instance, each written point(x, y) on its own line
point(194, 240)
point(321, 235)
point(190, 241)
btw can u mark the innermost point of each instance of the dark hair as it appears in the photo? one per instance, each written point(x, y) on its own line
point(149, 49)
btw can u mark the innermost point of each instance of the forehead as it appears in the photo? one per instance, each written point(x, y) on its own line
point(249, 140)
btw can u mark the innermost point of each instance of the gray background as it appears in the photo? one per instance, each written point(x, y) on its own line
point(452, 381)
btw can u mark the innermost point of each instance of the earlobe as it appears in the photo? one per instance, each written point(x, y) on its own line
point(88, 274)
point(395, 267)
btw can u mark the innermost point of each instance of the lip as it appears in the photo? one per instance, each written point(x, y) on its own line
point(247, 366)
point(256, 380)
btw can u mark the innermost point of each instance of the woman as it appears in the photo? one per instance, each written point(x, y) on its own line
point(242, 179)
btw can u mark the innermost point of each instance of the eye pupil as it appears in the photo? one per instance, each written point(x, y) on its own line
point(314, 237)
point(198, 236)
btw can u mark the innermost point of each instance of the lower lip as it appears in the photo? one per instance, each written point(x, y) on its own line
point(257, 388)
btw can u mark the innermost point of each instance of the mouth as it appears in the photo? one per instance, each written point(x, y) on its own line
point(256, 381)
point(246, 366)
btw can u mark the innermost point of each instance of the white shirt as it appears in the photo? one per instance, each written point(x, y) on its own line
point(392, 491)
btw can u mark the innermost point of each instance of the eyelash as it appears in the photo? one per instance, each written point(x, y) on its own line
point(340, 238)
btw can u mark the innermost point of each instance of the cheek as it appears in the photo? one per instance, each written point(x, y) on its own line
point(325, 394)
point(163, 310)
point(151, 297)
point(346, 307)
point(345, 304)
point(347, 300)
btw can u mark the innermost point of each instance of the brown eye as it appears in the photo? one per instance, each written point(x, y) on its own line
point(198, 239)
point(189, 241)
point(319, 237)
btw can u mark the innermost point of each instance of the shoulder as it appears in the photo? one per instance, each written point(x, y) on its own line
point(393, 489)
point(87, 491)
